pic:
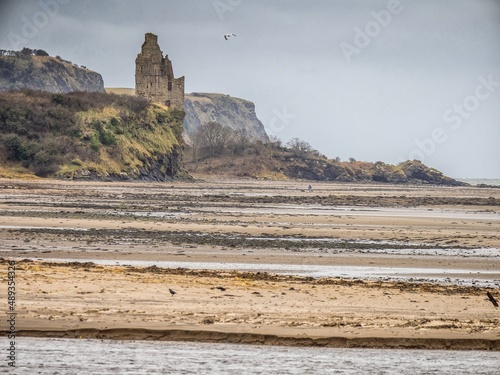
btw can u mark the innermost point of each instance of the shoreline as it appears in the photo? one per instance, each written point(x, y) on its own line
point(249, 338)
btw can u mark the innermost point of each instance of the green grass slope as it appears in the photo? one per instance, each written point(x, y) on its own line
point(88, 135)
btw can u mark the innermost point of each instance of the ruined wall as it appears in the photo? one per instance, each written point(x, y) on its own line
point(154, 76)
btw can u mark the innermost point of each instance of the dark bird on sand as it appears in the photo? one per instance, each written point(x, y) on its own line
point(172, 292)
point(492, 299)
point(221, 288)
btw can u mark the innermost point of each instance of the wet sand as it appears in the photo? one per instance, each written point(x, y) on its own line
point(252, 222)
point(85, 300)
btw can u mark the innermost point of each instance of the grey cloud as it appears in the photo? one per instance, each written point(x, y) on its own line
point(378, 107)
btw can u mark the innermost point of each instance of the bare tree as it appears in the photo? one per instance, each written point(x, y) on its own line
point(300, 147)
point(195, 146)
point(213, 138)
point(241, 142)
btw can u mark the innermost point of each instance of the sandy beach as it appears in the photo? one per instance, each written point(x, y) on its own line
point(453, 233)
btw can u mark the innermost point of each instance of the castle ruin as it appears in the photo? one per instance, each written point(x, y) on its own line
point(154, 76)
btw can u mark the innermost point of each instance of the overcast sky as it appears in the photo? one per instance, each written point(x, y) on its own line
point(372, 80)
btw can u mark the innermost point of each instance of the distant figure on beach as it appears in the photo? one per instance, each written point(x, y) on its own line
point(309, 188)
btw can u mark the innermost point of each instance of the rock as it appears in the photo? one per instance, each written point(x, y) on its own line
point(416, 171)
point(413, 172)
point(234, 113)
point(45, 73)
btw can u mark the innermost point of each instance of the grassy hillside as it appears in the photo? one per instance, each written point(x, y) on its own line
point(274, 161)
point(88, 135)
point(120, 90)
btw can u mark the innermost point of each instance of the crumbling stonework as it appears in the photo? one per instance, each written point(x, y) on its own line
point(154, 76)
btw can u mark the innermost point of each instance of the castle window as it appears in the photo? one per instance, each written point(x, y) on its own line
point(170, 86)
point(167, 103)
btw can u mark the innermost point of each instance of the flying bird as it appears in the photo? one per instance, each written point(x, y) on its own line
point(227, 36)
point(492, 299)
point(172, 292)
point(221, 288)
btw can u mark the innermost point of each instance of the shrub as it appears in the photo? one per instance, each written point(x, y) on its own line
point(135, 104)
point(97, 125)
point(13, 146)
point(95, 145)
point(45, 163)
point(114, 122)
point(26, 51)
point(29, 151)
point(57, 98)
point(107, 138)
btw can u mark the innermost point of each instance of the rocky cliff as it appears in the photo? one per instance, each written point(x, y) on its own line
point(19, 71)
point(237, 114)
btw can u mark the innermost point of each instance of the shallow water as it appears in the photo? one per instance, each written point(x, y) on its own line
point(386, 212)
point(476, 181)
point(73, 356)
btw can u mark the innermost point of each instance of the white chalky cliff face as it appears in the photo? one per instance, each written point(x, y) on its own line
point(234, 113)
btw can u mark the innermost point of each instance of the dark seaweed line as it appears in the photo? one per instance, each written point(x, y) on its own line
point(226, 240)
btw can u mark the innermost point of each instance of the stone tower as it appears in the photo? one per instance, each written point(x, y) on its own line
point(154, 76)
